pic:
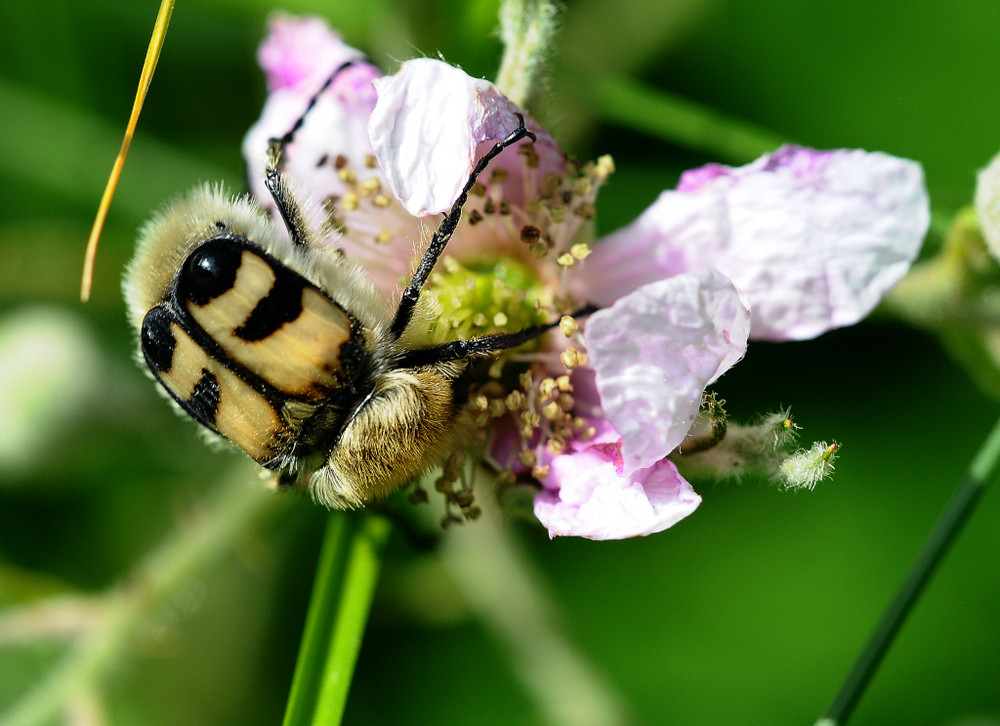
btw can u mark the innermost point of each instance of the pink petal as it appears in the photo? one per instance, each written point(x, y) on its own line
point(656, 349)
point(299, 53)
point(812, 239)
point(431, 124)
point(333, 138)
point(336, 126)
point(298, 56)
point(585, 496)
point(672, 236)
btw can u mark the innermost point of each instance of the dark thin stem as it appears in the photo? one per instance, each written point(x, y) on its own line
point(982, 470)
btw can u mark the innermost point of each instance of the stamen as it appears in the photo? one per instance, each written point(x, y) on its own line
point(568, 326)
point(551, 411)
point(530, 234)
point(369, 186)
point(550, 185)
point(555, 446)
point(349, 202)
point(540, 472)
point(530, 154)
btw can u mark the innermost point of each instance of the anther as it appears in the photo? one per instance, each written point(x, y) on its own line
point(530, 234)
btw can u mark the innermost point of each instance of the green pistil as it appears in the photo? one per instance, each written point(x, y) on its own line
point(487, 296)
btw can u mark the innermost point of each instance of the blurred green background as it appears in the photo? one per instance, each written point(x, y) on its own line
point(750, 612)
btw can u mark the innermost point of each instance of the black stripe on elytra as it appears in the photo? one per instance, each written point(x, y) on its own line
point(353, 355)
point(158, 343)
point(283, 304)
point(205, 398)
point(287, 290)
point(157, 340)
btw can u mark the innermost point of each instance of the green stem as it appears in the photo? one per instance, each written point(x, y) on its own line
point(631, 104)
point(983, 469)
point(129, 606)
point(501, 586)
point(338, 611)
point(526, 31)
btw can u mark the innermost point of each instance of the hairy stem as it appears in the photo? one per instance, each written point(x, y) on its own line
point(526, 30)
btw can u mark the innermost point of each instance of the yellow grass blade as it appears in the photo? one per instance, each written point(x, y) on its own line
point(148, 66)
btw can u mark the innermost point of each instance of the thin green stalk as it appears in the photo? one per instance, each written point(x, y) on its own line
point(501, 586)
point(342, 595)
point(654, 111)
point(982, 471)
point(128, 607)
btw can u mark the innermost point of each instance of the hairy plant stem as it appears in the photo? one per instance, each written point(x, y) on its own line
point(527, 28)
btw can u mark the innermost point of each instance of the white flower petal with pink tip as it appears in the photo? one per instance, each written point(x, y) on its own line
point(300, 53)
point(593, 500)
point(298, 56)
point(656, 349)
point(813, 240)
point(427, 128)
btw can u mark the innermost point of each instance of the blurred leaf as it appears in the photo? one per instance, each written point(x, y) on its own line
point(56, 165)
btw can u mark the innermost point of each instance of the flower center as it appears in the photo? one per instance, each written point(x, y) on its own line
point(489, 295)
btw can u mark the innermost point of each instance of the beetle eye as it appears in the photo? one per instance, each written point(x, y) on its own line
point(210, 270)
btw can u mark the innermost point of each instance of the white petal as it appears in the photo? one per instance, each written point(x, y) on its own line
point(656, 349)
point(337, 126)
point(593, 500)
point(812, 239)
point(426, 129)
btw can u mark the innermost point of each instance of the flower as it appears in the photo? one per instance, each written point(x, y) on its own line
point(811, 240)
